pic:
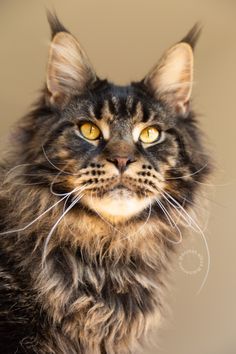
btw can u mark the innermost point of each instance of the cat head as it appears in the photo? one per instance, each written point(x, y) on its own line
point(124, 148)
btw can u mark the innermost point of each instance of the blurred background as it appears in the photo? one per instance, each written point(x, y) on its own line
point(123, 40)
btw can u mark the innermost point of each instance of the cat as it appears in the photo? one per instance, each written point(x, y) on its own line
point(96, 186)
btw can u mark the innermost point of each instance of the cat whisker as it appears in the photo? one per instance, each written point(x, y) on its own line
point(13, 169)
point(144, 224)
point(28, 184)
point(177, 206)
point(9, 178)
point(188, 175)
point(185, 199)
point(150, 209)
point(213, 185)
point(36, 219)
point(201, 196)
point(172, 223)
point(65, 211)
point(54, 182)
point(193, 225)
point(64, 208)
point(78, 189)
point(56, 167)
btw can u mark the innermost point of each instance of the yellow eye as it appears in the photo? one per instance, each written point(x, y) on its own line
point(90, 131)
point(149, 135)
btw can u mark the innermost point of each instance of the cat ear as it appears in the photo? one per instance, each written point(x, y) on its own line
point(69, 71)
point(172, 78)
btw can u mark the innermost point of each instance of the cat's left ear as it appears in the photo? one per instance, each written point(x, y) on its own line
point(69, 71)
point(172, 78)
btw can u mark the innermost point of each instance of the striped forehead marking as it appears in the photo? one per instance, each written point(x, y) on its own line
point(116, 107)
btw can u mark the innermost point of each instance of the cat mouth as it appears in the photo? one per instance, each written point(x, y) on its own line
point(119, 202)
point(120, 187)
point(117, 191)
point(120, 191)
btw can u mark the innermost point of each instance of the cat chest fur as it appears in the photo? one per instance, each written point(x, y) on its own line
point(106, 304)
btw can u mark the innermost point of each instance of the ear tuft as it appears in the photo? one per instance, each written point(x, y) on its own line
point(193, 35)
point(171, 80)
point(55, 24)
point(69, 71)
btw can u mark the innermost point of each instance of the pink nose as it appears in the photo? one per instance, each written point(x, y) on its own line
point(121, 162)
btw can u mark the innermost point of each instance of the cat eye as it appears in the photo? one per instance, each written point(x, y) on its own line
point(90, 131)
point(150, 135)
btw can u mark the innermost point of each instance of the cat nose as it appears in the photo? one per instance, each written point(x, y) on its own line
point(121, 162)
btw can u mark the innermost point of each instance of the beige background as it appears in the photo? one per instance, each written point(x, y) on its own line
point(124, 38)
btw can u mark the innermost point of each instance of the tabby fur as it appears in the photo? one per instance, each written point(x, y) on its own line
point(96, 284)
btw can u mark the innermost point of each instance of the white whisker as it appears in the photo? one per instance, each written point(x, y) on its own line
point(172, 223)
point(193, 225)
point(38, 218)
point(214, 185)
point(44, 255)
point(188, 175)
point(53, 182)
point(77, 190)
point(186, 219)
point(35, 220)
point(28, 184)
point(52, 164)
point(13, 169)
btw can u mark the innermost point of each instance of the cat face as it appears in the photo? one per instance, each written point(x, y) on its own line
point(122, 148)
point(119, 147)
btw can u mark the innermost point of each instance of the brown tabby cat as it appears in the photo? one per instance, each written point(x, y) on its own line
point(96, 189)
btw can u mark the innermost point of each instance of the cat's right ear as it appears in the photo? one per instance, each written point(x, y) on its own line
point(171, 80)
point(69, 71)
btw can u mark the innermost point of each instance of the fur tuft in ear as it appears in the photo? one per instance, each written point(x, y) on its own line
point(55, 24)
point(69, 70)
point(172, 78)
point(193, 35)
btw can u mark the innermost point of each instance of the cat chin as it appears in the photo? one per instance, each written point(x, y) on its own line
point(117, 205)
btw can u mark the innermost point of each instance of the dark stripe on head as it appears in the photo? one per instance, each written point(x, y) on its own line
point(146, 113)
point(122, 107)
point(133, 106)
point(111, 106)
point(98, 109)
